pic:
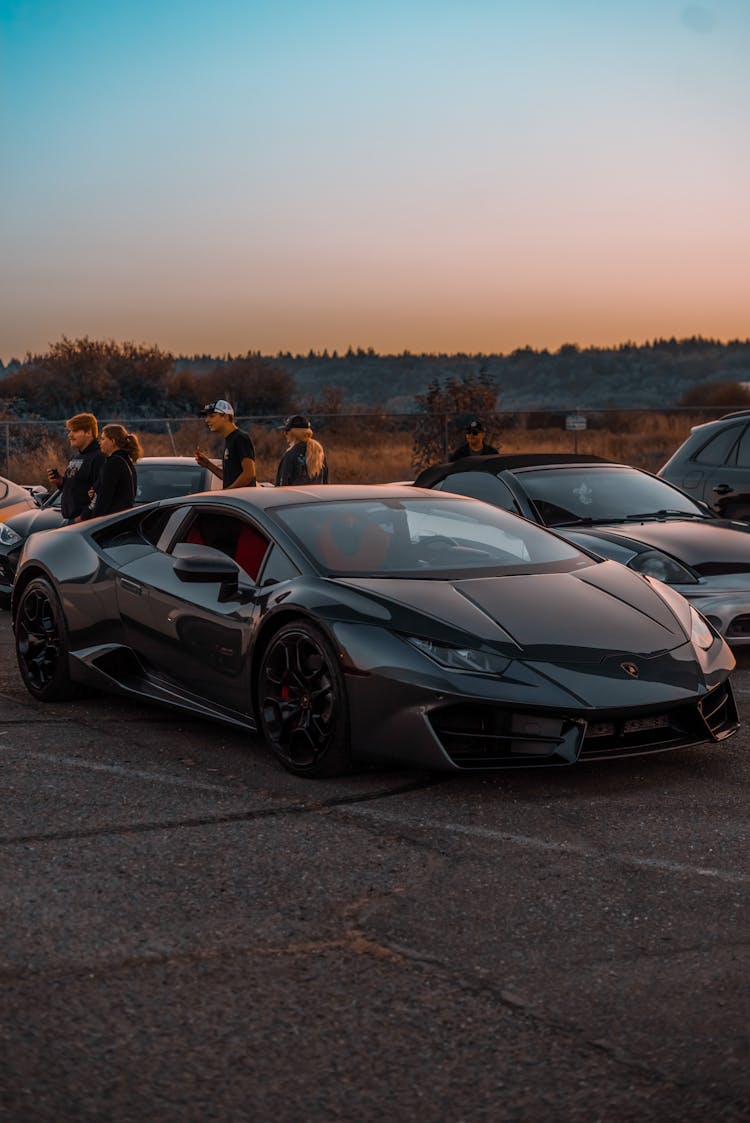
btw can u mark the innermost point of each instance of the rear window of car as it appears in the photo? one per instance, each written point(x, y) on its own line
point(716, 451)
point(164, 481)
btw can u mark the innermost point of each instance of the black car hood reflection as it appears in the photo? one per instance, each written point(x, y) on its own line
point(700, 544)
point(554, 610)
point(41, 518)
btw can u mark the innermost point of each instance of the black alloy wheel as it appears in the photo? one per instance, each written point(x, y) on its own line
point(42, 645)
point(303, 704)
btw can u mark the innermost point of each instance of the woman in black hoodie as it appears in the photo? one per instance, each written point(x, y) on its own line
point(115, 489)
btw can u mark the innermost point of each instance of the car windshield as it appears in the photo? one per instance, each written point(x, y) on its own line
point(425, 538)
point(565, 496)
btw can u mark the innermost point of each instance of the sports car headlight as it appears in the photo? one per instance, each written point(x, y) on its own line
point(461, 658)
point(8, 537)
point(656, 564)
point(700, 631)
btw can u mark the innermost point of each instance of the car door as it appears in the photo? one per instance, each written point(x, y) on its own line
point(714, 465)
point(729, 490)
point(194, 633)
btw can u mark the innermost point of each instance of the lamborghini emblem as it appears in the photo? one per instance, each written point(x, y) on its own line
point(630, 669)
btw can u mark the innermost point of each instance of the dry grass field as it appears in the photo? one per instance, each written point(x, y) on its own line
point(360, 451)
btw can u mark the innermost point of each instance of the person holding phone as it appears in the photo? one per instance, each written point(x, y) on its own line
point(84, 466)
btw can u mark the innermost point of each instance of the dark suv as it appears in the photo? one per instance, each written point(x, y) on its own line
point(713, 464)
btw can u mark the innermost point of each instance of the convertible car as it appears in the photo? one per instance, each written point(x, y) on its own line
point(624, 514)
point(158, 478)
point(354, 624)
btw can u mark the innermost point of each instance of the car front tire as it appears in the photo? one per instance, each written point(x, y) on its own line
point(303, 706)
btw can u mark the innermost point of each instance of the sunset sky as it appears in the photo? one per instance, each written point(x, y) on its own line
point(432, 175)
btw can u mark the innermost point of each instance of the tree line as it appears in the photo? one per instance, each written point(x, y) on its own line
point(139, 380)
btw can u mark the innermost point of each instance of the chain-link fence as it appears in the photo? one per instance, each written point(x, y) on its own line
point(375, 447)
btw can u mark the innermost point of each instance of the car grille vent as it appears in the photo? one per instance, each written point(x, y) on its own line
point(719, 711)
point(482, 736)
point(713, 718)
point(492, 737)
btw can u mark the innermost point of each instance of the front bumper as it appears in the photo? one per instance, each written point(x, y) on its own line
point(537, 714)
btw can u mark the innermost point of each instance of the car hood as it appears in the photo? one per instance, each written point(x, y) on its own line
point(584, 616)
point(14, 506)
point(40, 518)
point(709, 547)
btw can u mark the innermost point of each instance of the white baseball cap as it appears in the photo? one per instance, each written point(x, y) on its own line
point(220, 406)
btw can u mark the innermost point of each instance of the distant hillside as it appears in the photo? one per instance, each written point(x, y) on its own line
point(652, 375)
point(143, 381)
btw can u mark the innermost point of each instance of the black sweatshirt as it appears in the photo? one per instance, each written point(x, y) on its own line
point(115, 488)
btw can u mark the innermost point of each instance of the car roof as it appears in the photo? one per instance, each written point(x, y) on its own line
point(268, 498)
point(500, 463)
point(167, 461)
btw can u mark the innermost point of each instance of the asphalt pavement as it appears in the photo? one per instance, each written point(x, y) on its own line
point(189, 933)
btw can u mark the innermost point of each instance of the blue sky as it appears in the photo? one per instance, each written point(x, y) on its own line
point(453, 175)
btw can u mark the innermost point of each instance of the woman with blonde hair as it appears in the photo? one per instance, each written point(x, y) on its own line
point(304, 461)
point(115, 489)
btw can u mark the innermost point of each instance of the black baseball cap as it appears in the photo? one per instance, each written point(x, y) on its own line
point(296, 421)
point(475, 426)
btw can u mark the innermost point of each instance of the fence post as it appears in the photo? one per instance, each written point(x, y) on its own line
point(171, 437)
point(445, 436)
point(7, 449)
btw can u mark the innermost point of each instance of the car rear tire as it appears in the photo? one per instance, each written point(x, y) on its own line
point(42, 648)
point(303, 706)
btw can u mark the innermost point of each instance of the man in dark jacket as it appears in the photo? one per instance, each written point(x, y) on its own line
point(84, 466)
point(475, 444)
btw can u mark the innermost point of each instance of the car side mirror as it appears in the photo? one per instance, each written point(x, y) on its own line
point(209, 567)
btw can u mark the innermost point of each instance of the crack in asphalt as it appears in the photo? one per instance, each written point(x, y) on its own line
point(305, 808)
point(576, 850)
point(354, 941)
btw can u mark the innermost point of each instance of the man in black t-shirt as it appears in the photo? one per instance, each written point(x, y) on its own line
point(475, 444)
point(238, 468)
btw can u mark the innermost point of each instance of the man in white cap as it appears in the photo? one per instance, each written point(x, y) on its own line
point(238, 469)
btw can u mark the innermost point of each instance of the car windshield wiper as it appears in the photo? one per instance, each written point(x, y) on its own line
point(638, 518)
point(588, 522)
point(665, 514)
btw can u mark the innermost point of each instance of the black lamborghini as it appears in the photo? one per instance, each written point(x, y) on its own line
point(359, 624)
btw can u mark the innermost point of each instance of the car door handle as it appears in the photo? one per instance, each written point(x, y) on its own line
point(131, 586)
point(722, 489)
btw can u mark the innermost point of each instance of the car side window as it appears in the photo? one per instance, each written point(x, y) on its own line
point(278, 567)
point(131, 538)
point(481, 485)
point(741, 451)
point(238, 539)
point(718, 449)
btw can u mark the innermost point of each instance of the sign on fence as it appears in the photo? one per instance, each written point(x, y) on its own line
point(575, 421)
